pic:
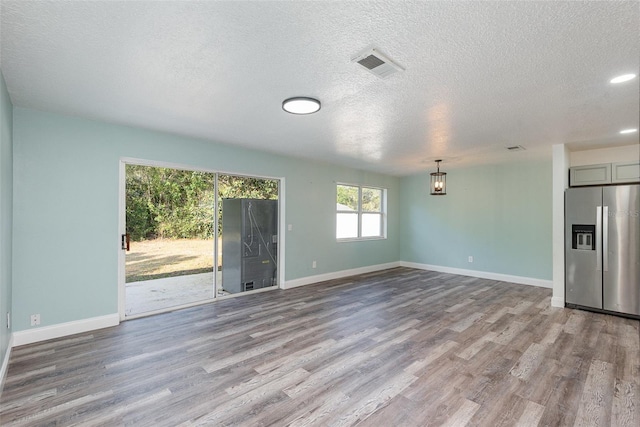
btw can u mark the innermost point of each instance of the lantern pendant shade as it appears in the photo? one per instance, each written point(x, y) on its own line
point(438, 182)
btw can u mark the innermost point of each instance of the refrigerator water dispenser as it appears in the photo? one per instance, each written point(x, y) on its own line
point(583, 237)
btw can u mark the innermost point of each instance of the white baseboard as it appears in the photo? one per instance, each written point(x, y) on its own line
point(5, 365)
point(69, 328)
point(63, 329)
point(482, 274)
point(338, 275)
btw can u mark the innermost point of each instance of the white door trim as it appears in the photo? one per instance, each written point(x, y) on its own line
point(122, 200)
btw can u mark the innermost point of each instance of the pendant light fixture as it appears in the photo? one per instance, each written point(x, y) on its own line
point(438, 184)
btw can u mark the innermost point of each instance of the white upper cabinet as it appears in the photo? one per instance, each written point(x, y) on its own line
point(590, 175)
point(625, 172)
point(605, 173)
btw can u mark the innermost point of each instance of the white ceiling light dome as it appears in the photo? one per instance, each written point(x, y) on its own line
point(301, 105)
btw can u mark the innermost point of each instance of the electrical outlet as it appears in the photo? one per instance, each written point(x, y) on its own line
point(313, 264)
point(35, 319)
point(470, 259)
point(290, 227)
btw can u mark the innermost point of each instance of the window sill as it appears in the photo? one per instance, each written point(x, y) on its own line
point(360, 239)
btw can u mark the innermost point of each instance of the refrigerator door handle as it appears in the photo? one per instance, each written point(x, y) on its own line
point(598, 238)
point(605, 238)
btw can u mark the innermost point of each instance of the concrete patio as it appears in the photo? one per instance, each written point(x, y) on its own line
point(159, 294)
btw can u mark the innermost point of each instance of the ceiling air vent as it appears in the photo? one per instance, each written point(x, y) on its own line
point(377, 64)
point(516, 148)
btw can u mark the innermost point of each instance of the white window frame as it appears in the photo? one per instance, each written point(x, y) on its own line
point(360, 212)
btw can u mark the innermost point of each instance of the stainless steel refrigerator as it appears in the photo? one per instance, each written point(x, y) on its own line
point(602, 248)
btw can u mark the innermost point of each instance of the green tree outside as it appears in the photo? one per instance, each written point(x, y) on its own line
point(179, 204)
point(347, 195)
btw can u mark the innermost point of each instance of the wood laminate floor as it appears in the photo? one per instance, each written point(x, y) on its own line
point(400, 347)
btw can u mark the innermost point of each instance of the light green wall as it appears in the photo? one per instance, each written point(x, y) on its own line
point(66, 197)
point(6, 212)
point(499, 214)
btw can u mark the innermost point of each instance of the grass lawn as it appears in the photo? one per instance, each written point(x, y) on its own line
point(155, 259)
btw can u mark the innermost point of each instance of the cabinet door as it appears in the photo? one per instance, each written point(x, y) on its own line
point(590, 175)
point(625, 172)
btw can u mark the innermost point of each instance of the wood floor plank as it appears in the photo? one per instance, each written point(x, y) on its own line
point(240, 405)
point(462, 416)
point(34, 419)
point(400, 347)
point(432, 355)
point(552, 333)
point(477, 345)
point(316, 415)
point(363, 408)
point(595, 405)
point(528, 363)
point(531, 415)
point(467, 322)
point(113, 414)
point(626, 404)
point(326, 375)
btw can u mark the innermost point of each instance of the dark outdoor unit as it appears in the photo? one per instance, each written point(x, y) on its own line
point(249, 244)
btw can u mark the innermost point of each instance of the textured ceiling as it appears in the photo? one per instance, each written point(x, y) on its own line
point(479, 76)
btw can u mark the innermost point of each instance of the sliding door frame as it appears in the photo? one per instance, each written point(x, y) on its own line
point(124, 161)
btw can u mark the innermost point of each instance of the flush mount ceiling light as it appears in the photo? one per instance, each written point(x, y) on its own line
point(623, 78)
point(438, 183)
point(628, 131)
point(301, 105)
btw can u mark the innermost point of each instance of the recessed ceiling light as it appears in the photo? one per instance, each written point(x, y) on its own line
point(623, 78)
point(628, 131)
point(301, 105)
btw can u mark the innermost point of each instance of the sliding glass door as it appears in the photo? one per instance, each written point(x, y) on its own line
point(170, 237)
point(192, 236)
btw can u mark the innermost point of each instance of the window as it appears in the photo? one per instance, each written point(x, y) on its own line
point(360, 212)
